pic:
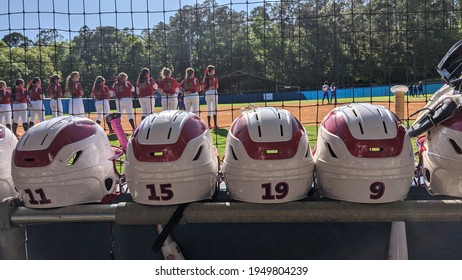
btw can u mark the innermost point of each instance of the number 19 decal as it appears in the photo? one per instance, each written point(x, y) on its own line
point(164, 189)
point(281, 189)
point(377, 190)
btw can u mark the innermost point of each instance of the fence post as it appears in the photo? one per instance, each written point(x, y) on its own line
point(399, 91)
point(12, 238)
point(398, 242)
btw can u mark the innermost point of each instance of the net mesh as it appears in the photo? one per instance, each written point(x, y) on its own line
point(270, 53)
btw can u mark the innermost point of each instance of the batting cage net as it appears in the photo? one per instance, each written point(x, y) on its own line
point(266, 53)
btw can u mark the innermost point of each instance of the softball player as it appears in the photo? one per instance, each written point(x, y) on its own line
point(100, 93)
point(191, 87)
point(168, 88)
point(123, 90)
point(210, 86)
point(19, 94)
point(5, 105)
point(36, 101)
point(55, 93)
point(145, 88)
point(74, 89)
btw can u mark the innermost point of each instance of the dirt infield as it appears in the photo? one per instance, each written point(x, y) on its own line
point(306, 112)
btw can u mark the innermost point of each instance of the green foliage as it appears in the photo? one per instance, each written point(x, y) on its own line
point(293, 42)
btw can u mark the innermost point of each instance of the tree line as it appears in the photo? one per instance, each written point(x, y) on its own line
point(300, 43)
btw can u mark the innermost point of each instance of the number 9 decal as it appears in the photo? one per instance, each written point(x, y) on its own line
point(377, 190)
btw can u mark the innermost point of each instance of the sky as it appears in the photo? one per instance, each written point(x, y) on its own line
point(26, 16)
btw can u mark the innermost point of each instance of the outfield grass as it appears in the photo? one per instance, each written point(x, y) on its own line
point(314, 102)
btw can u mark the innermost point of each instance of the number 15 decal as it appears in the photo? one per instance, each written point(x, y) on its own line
point(164, 189)
point(281, 189)
point(377, 190)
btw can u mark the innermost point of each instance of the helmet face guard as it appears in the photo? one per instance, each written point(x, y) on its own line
point(171, 160)
point(7, 145)
point(268, 158)
point(450, 66)
point(363, 154)
point(64, 161)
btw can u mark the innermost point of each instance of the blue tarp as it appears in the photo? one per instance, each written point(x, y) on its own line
point(357, 92)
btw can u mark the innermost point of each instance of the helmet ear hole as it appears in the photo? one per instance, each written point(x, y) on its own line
point(108, 184)
point(427, 175)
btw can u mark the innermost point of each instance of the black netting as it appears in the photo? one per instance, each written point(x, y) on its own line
point(271, 53)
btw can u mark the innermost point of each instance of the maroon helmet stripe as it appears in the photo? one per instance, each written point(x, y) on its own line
point(192, 128)
point(72, 133)
point(377, 148)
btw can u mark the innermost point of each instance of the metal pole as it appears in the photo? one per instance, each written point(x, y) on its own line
point(129, 213)
point(70, 214)
point(12, 238)
point(398, 242)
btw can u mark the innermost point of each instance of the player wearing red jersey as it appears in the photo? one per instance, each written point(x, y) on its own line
point(55, 93)
point(123, 90)
point(191, 87)
point(145, 88)
point(19, 97)
point(168, 88)
point(36, 101)
point(5, 105)
point(74, 89)
point(210, 86)
point(100, 93)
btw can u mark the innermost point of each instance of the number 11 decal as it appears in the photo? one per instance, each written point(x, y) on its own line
point(41, 193)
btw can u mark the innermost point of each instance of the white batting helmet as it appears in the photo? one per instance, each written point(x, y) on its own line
point(442, 158)
point(64, 161)
point(171, 160)
point(7, 144)
point(268, 158)
point(363, 154)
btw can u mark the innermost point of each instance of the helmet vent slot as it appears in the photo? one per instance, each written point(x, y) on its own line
point(174, 118)
point(279, 115)
point(152, 120)
point(354, 112)
point(361, 128)
point(331, 151)
point(282, 131)
point(198, 154)
point(427, 175)
point(29, 159)
point(256, 116)
point(147, 134)
point(455, 146)
point(259, 131)
point(44, 138)
point(25, 141)
point(169, 132)
point(380, 113)
point(385, 127)
point(74, 158)
point(234, 154)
